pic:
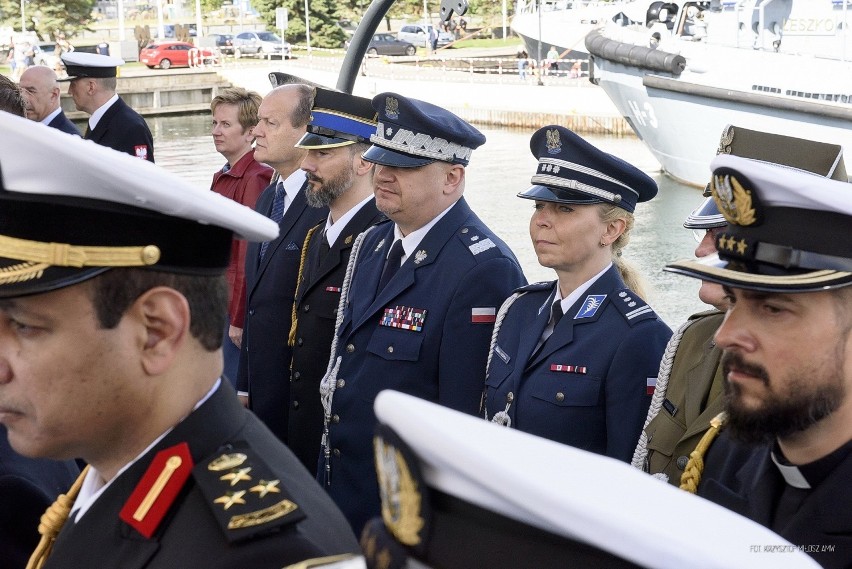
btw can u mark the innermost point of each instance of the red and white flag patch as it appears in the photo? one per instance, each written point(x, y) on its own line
point(483, 315)
point(650, 385)
point(141, 151)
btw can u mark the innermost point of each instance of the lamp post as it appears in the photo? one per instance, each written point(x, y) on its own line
point(538, 62)
point(307, 28)
point(23, 18)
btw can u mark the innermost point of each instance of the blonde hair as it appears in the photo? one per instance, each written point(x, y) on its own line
point(629, 273)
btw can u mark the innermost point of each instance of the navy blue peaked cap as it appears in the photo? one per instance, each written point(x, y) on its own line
point(414, 133)
point(570, 170)
point(338, 119)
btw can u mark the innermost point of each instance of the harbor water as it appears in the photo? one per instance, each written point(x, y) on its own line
point(498, 171)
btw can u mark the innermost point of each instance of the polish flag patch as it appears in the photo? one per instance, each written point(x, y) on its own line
point(141, 151)
point(483, 315)
point(650, 385)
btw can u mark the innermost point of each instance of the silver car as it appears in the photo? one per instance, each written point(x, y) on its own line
point(260, 44)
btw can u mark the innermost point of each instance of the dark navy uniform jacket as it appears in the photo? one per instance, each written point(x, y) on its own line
point(264, 368)
point(422, 335)
point(197, 530)
point(590, 384)
point(317, 298)
point(744, 479)
point(62, 123)
point(123, 129)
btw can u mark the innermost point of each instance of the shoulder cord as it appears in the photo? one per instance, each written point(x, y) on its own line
point(52, 521)
point(291, 339)
point(501, 417)
point(695, 467)
point(640, 455)
point(329, 380)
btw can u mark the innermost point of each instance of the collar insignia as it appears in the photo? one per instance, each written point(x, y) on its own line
point(420, 256)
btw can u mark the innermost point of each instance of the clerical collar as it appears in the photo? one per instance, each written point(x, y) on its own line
point(806, 476)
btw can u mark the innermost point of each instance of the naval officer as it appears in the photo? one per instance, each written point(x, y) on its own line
point(112, 122)
point(422, 293)
point(112, 303)
point(784, 458)
point(575, 360)
point(341, 180)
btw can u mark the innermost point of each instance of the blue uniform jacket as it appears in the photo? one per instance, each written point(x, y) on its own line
point(590, 385)
point(423, 334)
point(62, 123)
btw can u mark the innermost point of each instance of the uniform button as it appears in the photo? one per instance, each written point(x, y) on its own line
point(335, 311)
point(341, 383)
point(464, 230)
point(295, 404)
point(251, 312)
point(560, 397)
point(390, 349)
point(296, 376)
point(335, 419)
point(350, 348)
point(299, 342)
point(336, 452)
point(682, 461)
point(510, 397)
point(307, 308)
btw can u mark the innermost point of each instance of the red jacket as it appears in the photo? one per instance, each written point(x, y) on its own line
point(243, 183)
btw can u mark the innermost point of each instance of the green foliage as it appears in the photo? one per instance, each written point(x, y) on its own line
point(324, 15)
point(48, 16)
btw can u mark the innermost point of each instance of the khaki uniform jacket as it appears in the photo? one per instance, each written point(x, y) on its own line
point(692, 398)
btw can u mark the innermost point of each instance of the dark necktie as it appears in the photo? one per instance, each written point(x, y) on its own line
point(277, 214)
point(392, 263)
point(556, 313)
point(324, 246)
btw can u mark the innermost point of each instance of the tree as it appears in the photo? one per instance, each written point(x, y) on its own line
point(324, 15)
point(47, 17)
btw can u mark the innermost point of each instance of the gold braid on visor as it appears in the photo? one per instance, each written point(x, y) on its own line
point(65, 255)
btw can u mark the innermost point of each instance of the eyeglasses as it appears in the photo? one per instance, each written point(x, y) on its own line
point(698, 234)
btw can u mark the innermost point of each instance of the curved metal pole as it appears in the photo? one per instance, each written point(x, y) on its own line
point(358, 46)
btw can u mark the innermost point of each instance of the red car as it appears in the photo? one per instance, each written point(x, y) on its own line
point(168, 54)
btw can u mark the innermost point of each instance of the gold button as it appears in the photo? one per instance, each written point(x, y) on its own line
point(560, 396)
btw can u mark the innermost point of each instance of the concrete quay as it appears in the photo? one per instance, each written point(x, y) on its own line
point(498, 98)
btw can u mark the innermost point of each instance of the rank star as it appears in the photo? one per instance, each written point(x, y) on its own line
point(263, 488)
point(742, 246)
point(231, 498)
point(236, 477)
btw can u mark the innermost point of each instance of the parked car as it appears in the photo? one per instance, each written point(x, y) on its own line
point(45, 54)
point(225, 42)
point(261, 44)
point(418, 34)
point(167, 54)
point(387, 44)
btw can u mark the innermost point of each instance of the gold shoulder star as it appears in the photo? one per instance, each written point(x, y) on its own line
point(722, 241)
point(231, 498)
point(742, 246)
point(237, 476)
point(264, 487)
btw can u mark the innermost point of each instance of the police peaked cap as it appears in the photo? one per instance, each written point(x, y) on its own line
point(338, 119)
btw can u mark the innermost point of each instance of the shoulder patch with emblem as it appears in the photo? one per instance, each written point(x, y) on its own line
point(243, 493)
point(633, 308)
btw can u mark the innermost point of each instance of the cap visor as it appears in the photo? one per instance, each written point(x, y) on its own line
point(558, 195)
point(758, 276)
point(707, 216)
point(312, 140)
point(385, 157)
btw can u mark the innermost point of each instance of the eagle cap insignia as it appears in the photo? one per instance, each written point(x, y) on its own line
point(420, 256)
point(553, 141)
point(735, 198)
point(726, 140)
point(392, 107)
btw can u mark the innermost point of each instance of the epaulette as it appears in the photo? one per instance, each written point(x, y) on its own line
point(633, 308)
point(535, 287)
point(243, 493)
point(477, 242)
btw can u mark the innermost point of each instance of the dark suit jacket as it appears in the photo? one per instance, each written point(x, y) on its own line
point(264, 369)
point(693, 398)
point(123, 129)
point(745, 480)
point(194, 531)
point(62, 123)
point(588, 385)
point(316, 310)
point(27, 487)
point(460, 267)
